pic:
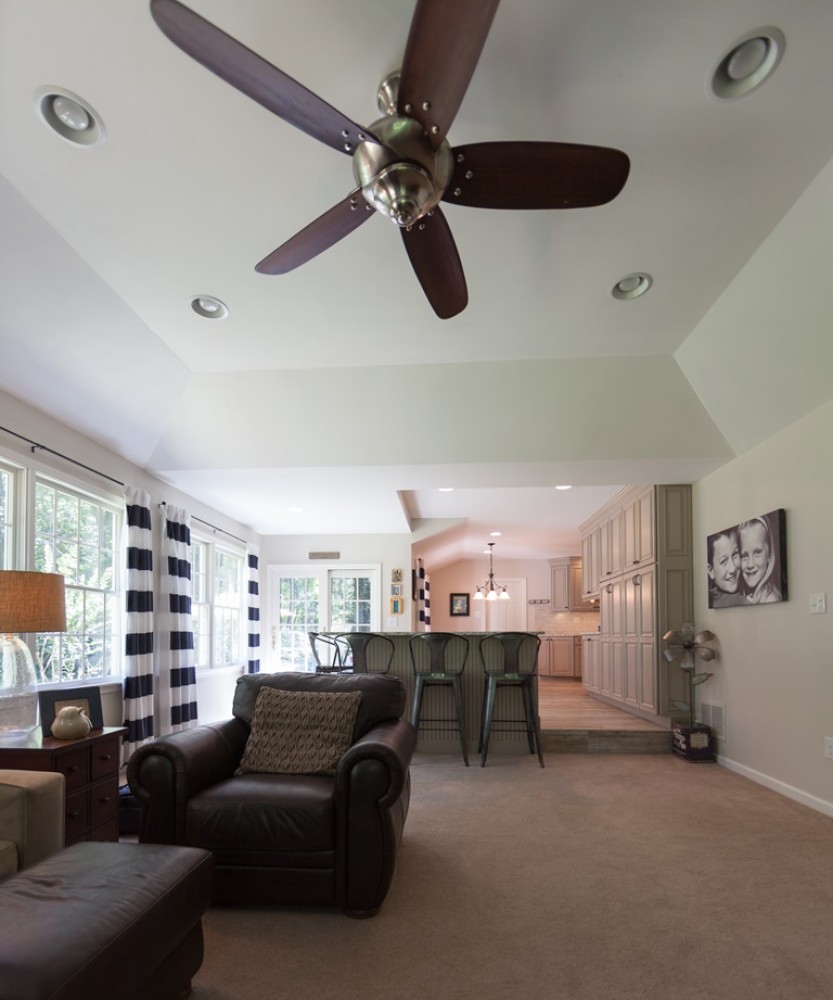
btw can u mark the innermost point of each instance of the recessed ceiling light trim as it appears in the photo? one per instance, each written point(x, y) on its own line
point(632, 286)
point(209, 307)
point(747, 63)
point(70, 117)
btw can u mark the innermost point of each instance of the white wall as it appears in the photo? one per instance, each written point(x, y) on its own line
point(775, 671)
point(215, 689)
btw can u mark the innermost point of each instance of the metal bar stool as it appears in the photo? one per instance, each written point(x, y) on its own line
point(324, 645)
point(438, 659)
point(365, 652)
point(510, 659)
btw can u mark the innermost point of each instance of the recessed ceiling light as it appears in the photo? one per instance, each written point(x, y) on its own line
point(495, 534)
point(295, 510)
point(750, 61)
point(563, 487)
point(70, 116)
point(445, 489)
point(632, 286)
point(209, 307)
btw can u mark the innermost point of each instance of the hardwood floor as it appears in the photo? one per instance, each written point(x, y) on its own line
point(565, 704)
point(573, 722)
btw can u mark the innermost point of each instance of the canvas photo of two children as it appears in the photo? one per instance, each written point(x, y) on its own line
point(747, 563)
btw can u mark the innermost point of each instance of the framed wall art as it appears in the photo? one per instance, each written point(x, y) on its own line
point(458, 605)
point(746, 563)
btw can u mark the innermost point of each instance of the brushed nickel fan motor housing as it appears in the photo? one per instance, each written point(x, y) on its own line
point(402, 176)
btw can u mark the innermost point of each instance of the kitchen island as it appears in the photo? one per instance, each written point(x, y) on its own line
point(437, 701)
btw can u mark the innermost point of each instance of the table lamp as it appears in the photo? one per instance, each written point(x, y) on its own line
point(29, 602)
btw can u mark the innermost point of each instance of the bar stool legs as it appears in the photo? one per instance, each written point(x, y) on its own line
point(452, 681)
point(533, 729)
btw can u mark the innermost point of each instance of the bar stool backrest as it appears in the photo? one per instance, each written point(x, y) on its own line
point(438, 654)
point(510, 654)
point(325, 652)
point(365, 652)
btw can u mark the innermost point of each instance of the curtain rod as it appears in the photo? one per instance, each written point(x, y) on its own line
point(208, 524)
point(36, 446)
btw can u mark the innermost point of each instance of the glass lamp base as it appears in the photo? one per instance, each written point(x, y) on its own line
point(19, 714)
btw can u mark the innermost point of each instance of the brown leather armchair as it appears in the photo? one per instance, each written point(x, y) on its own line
point(286, 838)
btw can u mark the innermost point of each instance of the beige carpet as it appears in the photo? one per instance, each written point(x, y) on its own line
point(602, 877)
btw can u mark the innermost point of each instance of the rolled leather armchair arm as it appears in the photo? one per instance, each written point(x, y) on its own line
point(390, 743)
point(372, 794)
point(166, 774)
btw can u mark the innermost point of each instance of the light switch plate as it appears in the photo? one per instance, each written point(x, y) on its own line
point(818, 604)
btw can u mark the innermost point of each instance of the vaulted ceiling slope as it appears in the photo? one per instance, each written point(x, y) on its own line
point(334, 387)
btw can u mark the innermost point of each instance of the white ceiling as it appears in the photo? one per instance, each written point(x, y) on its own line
point(335, 388)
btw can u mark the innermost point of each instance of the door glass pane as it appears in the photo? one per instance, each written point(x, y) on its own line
point(299, 611)
point(350, 604)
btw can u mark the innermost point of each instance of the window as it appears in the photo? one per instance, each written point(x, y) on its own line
point(77, 535)
point(218, 603)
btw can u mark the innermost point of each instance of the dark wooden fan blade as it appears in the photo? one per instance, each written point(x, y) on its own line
point(522, 175)
point(315, 238)
point(444, 44)
point(436, 262)
point(255, 77)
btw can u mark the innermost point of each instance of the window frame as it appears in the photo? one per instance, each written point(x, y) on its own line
point(205, 632)
point(115, 505)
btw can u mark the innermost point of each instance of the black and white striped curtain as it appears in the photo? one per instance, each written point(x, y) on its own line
point(423, 598)
point(175, 671)
point(253, 629)
point(138, 660)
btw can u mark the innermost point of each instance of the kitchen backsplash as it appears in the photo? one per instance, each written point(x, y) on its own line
point(542, 619)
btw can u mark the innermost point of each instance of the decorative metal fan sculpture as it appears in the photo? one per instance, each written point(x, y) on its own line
point(402, 163)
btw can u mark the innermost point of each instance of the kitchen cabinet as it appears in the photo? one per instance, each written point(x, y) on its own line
point(567, 586)
point(590, 650)
point(638, 529)
point(577, 657)
point(645, 589)
point(556, 656)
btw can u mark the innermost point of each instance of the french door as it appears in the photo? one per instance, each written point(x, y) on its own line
point(304, 599)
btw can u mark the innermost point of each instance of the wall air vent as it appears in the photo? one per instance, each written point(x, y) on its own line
point(331, 556)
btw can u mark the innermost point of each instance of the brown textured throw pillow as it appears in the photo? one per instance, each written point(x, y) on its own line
point(300, 732)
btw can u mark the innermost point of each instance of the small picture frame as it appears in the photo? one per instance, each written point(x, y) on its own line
point(396, 576)
point(397, 605)
point(458, 605)
point(88, 699)
point(396, 590)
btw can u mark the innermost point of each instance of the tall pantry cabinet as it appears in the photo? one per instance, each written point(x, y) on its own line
point(637, 560)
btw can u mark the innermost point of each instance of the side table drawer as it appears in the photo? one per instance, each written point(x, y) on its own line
point(75, 767)
point(104, 801)
point(76, 816)
point(104, 760)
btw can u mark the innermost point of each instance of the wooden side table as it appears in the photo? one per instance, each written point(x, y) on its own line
point(90, 767)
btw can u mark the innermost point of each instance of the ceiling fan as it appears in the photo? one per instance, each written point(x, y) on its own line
point(402, 163)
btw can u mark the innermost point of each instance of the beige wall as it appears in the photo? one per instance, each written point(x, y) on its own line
point(775, 671)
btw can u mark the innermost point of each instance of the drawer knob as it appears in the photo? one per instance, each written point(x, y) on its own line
point(104, 801)
point(106, 756)
point(72, 769)
point(73, 815)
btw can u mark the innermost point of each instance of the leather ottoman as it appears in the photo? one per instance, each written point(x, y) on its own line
point(105, 920)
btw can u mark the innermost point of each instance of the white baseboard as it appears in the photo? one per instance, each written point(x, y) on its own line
point(820, 805)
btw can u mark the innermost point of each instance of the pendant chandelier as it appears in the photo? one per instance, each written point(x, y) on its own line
point(490, 591)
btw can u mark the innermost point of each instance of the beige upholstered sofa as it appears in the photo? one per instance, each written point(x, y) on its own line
point(31, 818)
